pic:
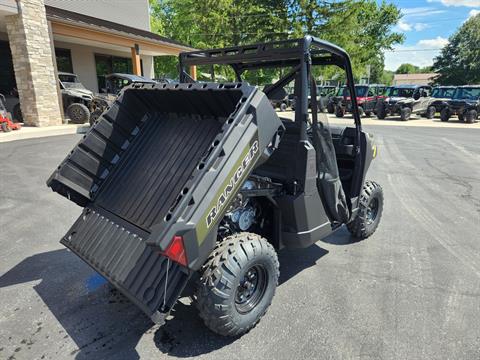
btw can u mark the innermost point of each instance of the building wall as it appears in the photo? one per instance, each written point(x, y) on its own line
point(30, 45)
point(134, 13)
point(83, 62)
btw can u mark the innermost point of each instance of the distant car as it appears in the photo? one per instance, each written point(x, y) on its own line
point(405, 100)
point(114, 83)
point(367, 98)
point(465, 103)
point(75, 97)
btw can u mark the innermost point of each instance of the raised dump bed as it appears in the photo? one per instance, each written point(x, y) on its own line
point(163, 161)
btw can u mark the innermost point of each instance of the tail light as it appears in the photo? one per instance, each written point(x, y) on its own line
point(176, 251)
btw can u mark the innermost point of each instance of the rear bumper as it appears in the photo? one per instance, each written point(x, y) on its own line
point(111, 247)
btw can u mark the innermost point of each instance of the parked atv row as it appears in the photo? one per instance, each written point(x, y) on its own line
point(408, 100)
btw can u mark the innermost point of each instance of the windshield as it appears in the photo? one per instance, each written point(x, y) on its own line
point(361, 91)
point(341, 91)
point(73, 85)
point(443, 93)
point(401, 92)
point(467, 93)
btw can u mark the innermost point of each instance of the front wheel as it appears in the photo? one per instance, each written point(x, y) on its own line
point(405, 114)
point(237, 284)
point(330, 108)
point(471, 116)
point(369, 213)
point(339, 112)
point(361, 112)
point(78, 113)
point(445, 115)
point(381, 111)
point(431, 112)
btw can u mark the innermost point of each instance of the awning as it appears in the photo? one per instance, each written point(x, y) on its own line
point(94, 31)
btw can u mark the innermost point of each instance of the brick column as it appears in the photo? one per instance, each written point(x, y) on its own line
point(32, 57)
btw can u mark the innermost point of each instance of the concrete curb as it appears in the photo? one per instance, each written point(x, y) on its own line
point(28, 132)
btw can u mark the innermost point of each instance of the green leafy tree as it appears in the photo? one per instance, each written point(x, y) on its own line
point(362, 27)
point(407, 69)
point(459, 61)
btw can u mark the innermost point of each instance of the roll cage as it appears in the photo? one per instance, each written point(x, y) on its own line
point(297, 54)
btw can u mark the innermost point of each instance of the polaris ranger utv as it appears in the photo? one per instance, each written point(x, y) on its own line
point(465, 103)
point(405, 100)
point(204, 182)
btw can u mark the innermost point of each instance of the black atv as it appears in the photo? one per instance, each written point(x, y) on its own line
point(203, 182)
point(465, 103)
point(405, 100)
point(367, 99)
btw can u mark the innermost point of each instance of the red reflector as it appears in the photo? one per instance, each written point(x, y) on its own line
point(176, 251)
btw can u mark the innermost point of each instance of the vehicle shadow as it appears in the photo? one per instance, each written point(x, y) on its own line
point(340, 237)
point(105, 324)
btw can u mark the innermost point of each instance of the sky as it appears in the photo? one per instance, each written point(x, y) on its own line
point(427, 25)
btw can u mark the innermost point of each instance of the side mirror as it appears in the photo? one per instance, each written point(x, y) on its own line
point(416, 96)
point(425, 94)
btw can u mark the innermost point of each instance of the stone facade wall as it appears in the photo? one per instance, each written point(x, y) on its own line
point(30, 45)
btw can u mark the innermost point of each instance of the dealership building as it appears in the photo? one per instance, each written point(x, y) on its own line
point(90, 38)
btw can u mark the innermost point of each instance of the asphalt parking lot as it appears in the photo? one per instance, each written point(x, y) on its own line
point(411, 291)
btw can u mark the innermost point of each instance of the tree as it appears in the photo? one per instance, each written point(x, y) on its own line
point(362, 27)
point(407, 69)
point(459, 61)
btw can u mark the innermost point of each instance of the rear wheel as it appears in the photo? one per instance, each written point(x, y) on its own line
point(78, 113)
point(405, 114)
point(369, 212)
point(445, 115)
point(237, 284)
point(471, 116)
point(339, 112)
point(431, 112)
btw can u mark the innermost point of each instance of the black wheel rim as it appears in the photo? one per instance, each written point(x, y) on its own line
point(251, 289)
point(372, 211)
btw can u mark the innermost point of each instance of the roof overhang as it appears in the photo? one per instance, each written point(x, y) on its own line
point(72, 27)
point(7, 7)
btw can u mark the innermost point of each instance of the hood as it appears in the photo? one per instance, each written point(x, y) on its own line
point(79, 92)
point(394, 99)
point(463, 102)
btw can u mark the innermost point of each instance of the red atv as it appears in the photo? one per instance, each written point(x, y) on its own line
point(6, 123)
